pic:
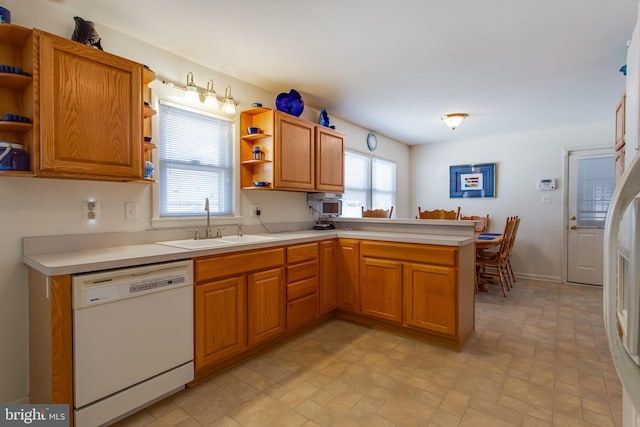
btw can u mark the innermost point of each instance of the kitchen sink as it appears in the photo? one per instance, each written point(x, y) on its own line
point(247, 239)
point(213, 243)
point(195, 244)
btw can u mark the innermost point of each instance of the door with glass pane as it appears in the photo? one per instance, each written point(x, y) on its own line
point(591, 184)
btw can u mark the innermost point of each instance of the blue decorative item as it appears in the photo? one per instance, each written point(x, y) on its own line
point(5, 15)
point(324, 118)
point(290, 103)
point(623, 69)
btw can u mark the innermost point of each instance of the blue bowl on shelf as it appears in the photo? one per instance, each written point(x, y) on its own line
point(253, 130)
point(260, 184)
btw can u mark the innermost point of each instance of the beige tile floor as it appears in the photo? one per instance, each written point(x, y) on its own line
point(538, 358)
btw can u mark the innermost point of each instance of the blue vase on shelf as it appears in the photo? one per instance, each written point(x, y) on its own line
point(324, 118)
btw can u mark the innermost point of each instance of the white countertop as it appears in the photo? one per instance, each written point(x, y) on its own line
point(94, 259)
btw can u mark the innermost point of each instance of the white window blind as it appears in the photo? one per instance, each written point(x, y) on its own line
point(369, 182)
point(383, 183)
point(195, 161)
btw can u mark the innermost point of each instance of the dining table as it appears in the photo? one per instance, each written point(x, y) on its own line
point(486, 241)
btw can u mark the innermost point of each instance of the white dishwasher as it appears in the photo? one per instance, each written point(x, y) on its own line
point(132, 338)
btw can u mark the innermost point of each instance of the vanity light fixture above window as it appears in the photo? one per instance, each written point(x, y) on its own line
point(195, 94)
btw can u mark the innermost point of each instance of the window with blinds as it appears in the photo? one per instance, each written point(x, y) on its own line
point(195, 162)
point(369, 182)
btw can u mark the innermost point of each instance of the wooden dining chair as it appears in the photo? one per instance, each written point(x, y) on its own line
point(377, 213)
point(483, 222)
point(493, 264)
point(438, 214)
point(512, 276)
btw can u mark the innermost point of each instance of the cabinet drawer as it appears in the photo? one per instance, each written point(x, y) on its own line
point(207, 268)
point(425, 254)
point(301, 253)
point(302, 311)
point(302, 271)
point(302, 288)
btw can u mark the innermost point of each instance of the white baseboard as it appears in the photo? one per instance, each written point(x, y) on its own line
point(539, 277)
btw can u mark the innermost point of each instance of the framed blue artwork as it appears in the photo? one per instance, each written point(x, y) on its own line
point(472, 180)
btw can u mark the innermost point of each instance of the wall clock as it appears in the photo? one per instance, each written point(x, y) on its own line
point(372, 141)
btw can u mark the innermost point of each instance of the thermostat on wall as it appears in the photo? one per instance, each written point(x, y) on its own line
point(546, 184)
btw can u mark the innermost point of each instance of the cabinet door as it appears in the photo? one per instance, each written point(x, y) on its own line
point(381, 289)
point(266, 305)
point(329, 160)
point(90, 103)
point(430, 298)
point(294, 153)
point(220, 313)
point(348, 260)
point(328, 276)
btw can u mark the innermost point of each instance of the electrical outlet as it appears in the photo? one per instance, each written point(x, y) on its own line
point(130, 211)
point(254, 209)
point(92, 210)
point(546, 198)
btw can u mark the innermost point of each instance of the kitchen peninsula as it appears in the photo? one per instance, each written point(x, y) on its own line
point(414, 277)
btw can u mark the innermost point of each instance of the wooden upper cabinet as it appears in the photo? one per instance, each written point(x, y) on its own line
point(90, 111)
point(329, 160)
point(620, 123)
point(295, 153)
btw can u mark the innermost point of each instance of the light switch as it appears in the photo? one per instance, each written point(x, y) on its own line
point(546, 198)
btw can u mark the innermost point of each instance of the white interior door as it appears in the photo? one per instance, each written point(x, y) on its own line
point(591, 184)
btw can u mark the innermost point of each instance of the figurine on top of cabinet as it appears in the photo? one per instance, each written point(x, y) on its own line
point(85, 33)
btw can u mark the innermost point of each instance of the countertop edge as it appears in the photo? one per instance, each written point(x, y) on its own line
point(84, 261)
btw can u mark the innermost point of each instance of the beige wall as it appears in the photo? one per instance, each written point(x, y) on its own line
point(520, 159)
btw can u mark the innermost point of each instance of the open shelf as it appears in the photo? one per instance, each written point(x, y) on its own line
point(256, 136)
point(14, 81)
point(14, 34)
point(255, 162)
point(16, 127)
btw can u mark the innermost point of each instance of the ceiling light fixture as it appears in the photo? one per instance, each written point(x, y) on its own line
point(196, 94)
point(454, 120)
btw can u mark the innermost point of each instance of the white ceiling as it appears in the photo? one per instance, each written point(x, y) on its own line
point(395, 67)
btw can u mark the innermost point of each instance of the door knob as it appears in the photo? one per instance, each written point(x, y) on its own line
point(573, 227)
point(573, 218)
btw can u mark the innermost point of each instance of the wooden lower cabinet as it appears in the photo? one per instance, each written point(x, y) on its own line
point(381, 289)
point(265, 305)
point(430, 298)
point(302, 284)
point(348, 274)
point(328, 289)
point(220, 320)
point(424, 290)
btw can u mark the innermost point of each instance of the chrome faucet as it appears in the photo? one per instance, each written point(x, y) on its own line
point(207, 233)
point(239, 230)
